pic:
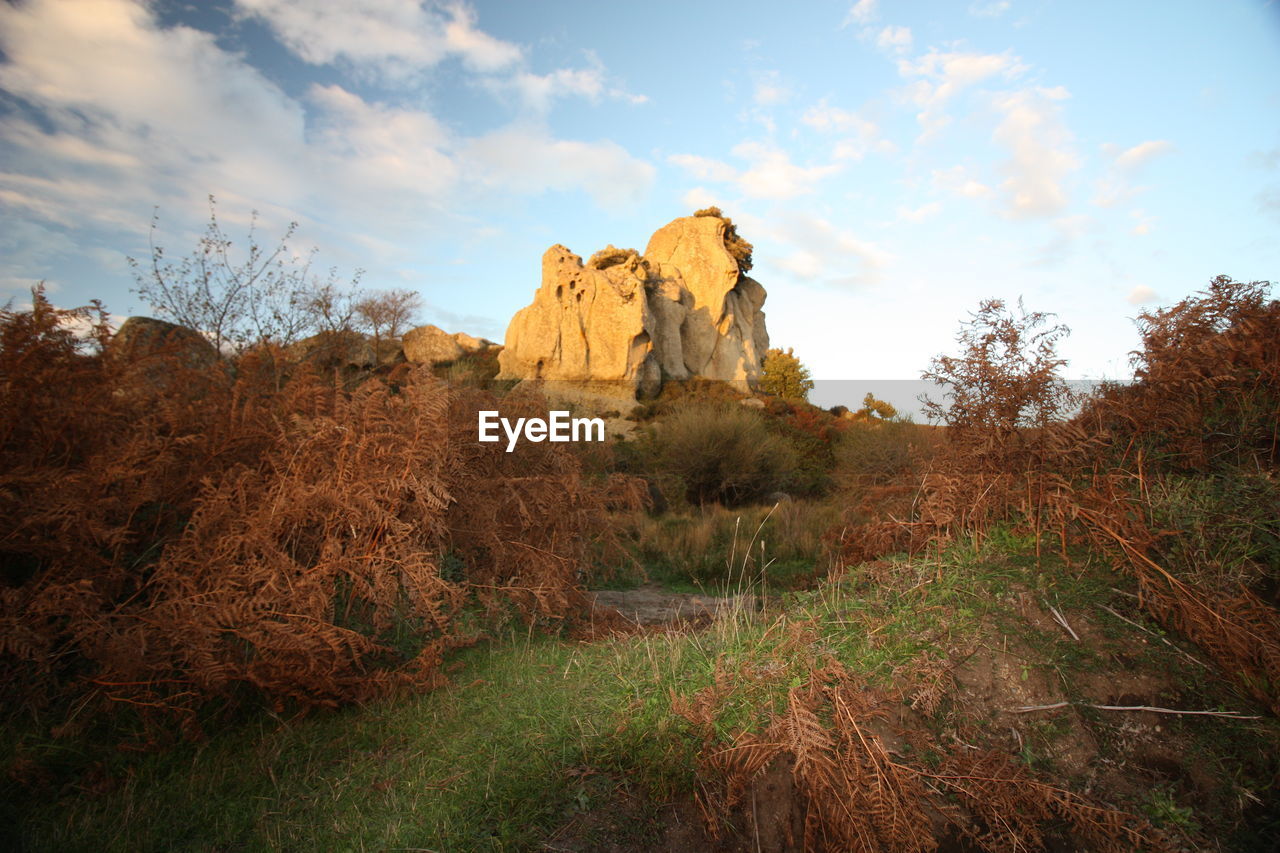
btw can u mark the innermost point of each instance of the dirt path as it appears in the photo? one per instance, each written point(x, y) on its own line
point(652, 605)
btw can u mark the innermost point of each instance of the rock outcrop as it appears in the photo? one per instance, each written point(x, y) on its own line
point(685, 309)
point(433, 345)
point(139, 337)
point(159, 356)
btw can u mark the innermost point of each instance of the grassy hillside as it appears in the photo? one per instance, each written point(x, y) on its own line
point(622, 743)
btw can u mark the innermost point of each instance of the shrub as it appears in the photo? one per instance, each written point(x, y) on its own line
point(1207, 389)
point(724, 453)
point(1228, 528)
point(709, 546)
point(610, 257)
point(874, 453)
point(875, 410)
point(232, 535)
point(738, 248)
point(784, 376)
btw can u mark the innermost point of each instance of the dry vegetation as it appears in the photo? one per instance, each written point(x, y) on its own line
point(256, 531)
point(184, 548)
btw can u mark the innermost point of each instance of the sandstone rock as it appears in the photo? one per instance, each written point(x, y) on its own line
point(473, 344)
point(682, 310)
point(328, 350)
point(431, 345)
point(390, 351)
point(157, 356)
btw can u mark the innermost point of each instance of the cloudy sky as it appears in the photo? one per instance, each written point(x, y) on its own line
point(894, 162)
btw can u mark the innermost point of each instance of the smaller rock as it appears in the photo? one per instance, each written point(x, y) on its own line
point(473, 344)
point(139, 337)
point(752, 402)
point(431, 345)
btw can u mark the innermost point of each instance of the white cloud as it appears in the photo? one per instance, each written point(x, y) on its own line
point(134, 115)
point(1041, 153)
point(528, 159)
point(700, 197)
point(1068, 230)
point(1116, 185)
point(989, 9)
point(768, 95)
point(380, 150)
point(1142, 295)
point(944, 75)
point(1130, 159)
point(538, 90)
point(705, 168)
point(771, 174)
point(395, 37)
point(921, 213)
point(894, 39)
point(770, 91)
point(864, 134)
point(819, 251)
point(862, 12)
point(958, 180)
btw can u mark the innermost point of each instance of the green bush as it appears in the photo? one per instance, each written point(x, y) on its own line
point(874, 452)
point(1225, 528)
point(723, 453)
point(784, 376)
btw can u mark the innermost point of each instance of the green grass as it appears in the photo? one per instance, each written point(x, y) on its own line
point(705, 549)
point(538, 731)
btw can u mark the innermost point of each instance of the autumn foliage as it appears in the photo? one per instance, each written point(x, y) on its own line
point(1202, 414)
point(226, 534)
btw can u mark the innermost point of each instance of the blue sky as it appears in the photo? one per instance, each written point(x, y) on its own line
point(894, 162)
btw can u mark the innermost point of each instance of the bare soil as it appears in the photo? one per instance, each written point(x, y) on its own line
point(651, 605)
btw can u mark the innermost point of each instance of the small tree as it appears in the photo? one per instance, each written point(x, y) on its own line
point(330, 307)
point(260, 296)
point(388, 312)
point(1006, 377)
point(874, 410)
point(784, 375)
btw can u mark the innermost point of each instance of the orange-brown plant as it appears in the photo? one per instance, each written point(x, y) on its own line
point(186, 534)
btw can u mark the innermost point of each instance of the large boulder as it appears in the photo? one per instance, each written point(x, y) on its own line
point(682, 310)
point(141, 337)
point(159, 357)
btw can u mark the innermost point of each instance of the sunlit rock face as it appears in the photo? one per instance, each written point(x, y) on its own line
point(682, 310)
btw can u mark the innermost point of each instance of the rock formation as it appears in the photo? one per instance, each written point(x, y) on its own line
point(139, 337)
point(433, 345)
point(685, 309)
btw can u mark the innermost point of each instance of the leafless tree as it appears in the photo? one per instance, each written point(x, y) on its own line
point(388, 313)
point(237, 299)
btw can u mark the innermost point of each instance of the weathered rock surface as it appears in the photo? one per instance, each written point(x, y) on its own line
point(682, 310)
point(433, 345)
point(144, 336)
point(334, 349)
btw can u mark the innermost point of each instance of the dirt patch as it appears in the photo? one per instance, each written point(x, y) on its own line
point(652, 605)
